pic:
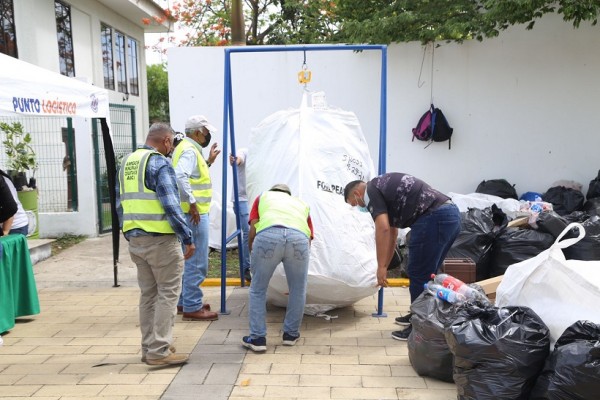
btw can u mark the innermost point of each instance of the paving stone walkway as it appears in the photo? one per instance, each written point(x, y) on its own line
point(85, 345)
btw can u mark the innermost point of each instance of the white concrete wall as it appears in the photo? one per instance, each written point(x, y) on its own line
point(523, 105)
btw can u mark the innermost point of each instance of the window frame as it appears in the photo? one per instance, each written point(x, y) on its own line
point(133, 66)
point(66, 51)
point(108, 60)
point(121, 62)
point(120, 78)
point(7, 27)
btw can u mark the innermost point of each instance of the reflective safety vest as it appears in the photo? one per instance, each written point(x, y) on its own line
point(141, 207)
point(201, 187)
point(277, 208)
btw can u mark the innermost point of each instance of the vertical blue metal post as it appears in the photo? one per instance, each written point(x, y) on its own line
point(382, 148)
point(226, 102)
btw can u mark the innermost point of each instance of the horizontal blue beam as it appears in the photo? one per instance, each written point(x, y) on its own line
point(327, 47)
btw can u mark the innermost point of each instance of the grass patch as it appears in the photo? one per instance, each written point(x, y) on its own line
point(233, 264)
point(64, 242)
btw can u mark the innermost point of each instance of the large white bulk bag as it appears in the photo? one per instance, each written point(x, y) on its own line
point(214, 230)
point(560, 291)
point(316, 152)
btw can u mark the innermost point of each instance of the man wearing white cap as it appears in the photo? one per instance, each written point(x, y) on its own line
point(195, 189)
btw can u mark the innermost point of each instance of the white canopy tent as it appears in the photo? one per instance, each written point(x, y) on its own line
point(26, 89)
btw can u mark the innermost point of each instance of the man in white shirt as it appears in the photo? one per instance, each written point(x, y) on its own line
point(19, 223)
point(195, 189)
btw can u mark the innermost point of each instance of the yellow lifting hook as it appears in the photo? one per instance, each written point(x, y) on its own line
point(305, 75)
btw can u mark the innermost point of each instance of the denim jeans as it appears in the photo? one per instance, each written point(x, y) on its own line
point(195, 267)
point(431, 237)
point(245, 228)
point(272, 246)
point(22, 230)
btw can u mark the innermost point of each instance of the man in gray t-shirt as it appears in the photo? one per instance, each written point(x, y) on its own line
point(397, 200)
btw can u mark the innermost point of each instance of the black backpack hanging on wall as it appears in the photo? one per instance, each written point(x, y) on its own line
point(433, 127)
point(441, 128)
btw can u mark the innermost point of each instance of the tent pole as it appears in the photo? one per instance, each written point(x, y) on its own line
point(111, 171)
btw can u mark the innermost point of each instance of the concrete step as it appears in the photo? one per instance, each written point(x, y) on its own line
point(39, 249)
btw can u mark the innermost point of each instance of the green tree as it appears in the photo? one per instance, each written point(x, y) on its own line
point(450, 20)
point(158, 93)
point(208, 22)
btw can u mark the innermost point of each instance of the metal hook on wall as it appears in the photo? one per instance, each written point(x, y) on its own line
point(419, 82)
point(304, 76)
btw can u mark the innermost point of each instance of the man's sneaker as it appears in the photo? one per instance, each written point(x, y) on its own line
point(171, 359)
point(289, 340)
point(404, 320)
point(258, 344)
point(402, 335)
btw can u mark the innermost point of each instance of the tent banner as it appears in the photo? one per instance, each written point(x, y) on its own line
point(30, 90)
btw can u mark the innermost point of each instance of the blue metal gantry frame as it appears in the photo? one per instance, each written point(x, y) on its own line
point(228, 126)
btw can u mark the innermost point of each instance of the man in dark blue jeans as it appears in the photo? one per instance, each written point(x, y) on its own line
point(397, 200)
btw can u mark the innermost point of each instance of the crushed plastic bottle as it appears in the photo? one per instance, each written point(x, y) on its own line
point(458, 286)
point(444, 293)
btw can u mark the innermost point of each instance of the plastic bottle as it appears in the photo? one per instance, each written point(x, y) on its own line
point(458, 286)
point(536, 208)
point(444, 293)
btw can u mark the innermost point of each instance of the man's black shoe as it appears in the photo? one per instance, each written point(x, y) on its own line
point(402, 335)
point(404, 320)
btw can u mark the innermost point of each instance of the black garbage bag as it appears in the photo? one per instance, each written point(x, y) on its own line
point(594, 188)
point(588, 248)
point(475, 240)
point(397, 258)
point(428, 351)
point(564, 200)
point(577, 216)
point(514, 245)
point(592, 206)
point(572, 372)
point(498, 352)
point(498, 187)
point(550, 222)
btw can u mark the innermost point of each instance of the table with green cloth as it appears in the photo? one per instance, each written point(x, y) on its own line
point(18, 292)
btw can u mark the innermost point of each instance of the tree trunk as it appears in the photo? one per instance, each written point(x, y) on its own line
point(237, 24)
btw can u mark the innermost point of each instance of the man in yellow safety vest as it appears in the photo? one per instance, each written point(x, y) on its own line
point(280, 232)
point(195, 188)
point(150, 216)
